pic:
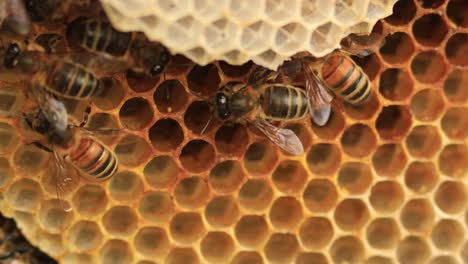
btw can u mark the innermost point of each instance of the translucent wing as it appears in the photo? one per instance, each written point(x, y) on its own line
point(319, 98)
point(100, 64)
point(101, 131)
point(284, 138)
point(16, 17)
point(53, 109)
point(64, 179)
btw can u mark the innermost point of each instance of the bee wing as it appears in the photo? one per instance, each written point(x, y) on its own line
point(284, 138)
point(319, 102)
point(53, 109)
point(100, 64)
point(63, 180)
point(262, 75)
point(101, 131)
point(16, 17)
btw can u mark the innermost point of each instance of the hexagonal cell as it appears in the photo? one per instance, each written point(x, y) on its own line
point(197, 117)
point(251, 257)
point(358, 141)
point(125, 186)
point(444, 260)
point(170, 97)
point(447, 234)
point(290, 37)
point(50, 243)
point(251, 231)
point(456, 49)
point(383, 233)
point(166, 135)
point(218, 35)
point(156, 207)
point(226, 176)
point(232, 139)
point(192, 192)
point(421, 177)
point(403, 13)
point(8, 138)
point(85, 236)
point(197, 156)
point(427, 104)
point(423, 141)
point(285, 213)
point(136, 113)
point(260, 158)
point(12, 101)
point(398, 48)
point(451, 197)
point(333, 128)
point(393, 122)
point(417, 215)
point(453, 160)
point(75, 258)
point(432, 4)
point(311, 257)
point(151, 242)
point(289, 177)
point(30, 160)
point(111, 95)
point(255, 195)
point(430, 30)
point(325, 36)
point(24, 195)
point(456, 12)
point(354, 177)
point(6, 172)
point(181, 256)
point(90, 200)
point(386, 196)
point(320, 195)
point(351, 214)
point(217, 247)
point(363, 111)
point(347, 249)
point(395, 84)
point(379, 260)
point(120, 221)
point(324, 158)
point(115, 252)
point(203, 80)
point(428, 67)
point(454, 123)
point(316, 232)
point(313, 12)
point(454, 86)
point(186, 227)
point(222, 211)
point(132, 150)
point(140, 82)
point(413, 249)
point(252, 37)
point(280, 11)
point(104, 121)
point(52, 218)
point(281, 248)
point(389, 160)
point(161, 172)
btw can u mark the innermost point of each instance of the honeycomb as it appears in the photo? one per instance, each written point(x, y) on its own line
point(384, 182)
point(267, 32)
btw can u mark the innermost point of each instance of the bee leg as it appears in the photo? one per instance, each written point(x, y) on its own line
point(86, 116)
point(40, 145)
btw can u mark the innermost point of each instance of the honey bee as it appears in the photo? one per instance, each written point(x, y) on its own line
point(13, 14)
point(51, 10)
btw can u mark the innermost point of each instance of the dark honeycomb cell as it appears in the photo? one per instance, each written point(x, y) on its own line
point(198, 116)
point(427, 104)
point(170, 97)
point(431, 3)
point(140, 82)
point(428, 67)
point(403, 12)
point(333, 127)
point(395, 84)
point(232, 139)
point(197, 156)
point(161, 172)
point(203, 80)
point(324, 158)
point(222, 211)
point(289, 177)
point(371, 65)
point(389, 160)
point(255, 195)
point(226, 176)
point(235, 71)
point(454, 86)
point(132, 150)
point(423, 141)
point(260, 158)
point(355, 177)
point(430, 30)
point(364, 111)
point(136, 113)
point(111, 95)
point(320, 195)
point(457, 48)
point(358, 141)
point(192, 192)
point(456, 12)
point(166, 135)
point(398, 48)
point(393, 122)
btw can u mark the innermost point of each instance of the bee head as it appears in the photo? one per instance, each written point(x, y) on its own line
point(221, 103)
point(12, 53)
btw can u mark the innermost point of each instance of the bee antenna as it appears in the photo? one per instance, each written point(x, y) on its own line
point(206, 125)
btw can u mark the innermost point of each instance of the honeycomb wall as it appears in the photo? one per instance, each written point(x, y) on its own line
point(385, 182)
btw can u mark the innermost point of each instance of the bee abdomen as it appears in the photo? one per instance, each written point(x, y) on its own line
point(346, 79)
point(280, 102)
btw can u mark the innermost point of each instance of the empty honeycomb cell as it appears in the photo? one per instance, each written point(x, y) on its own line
point(333, 128)
point(280, 11)
point(281, 248)
point(217, 247)
point(203, 80)
point(181, 256)
point(427, 104)
point(76, 258)
point(115, 252)
point(170, 97)
point(417, 215)
point(311, 257)
point(379, 260)
point(166, 135)
point(100, 122)
point(358, 141)
point(451, 197)
point(192, 192)
point(24, 195)
point(232, 139)
point(454, 86)
point(364, 111)
point(218, 35)
point(289, 177)
point(253, 36)
point(351, 214)
point(90, 200)
point(50, 242)
point(197, 156)
point(244, 257)
point(136, 113)
point(324, 158)
point(151, 242)
point(403, 13)
point(389, 160)
point(197, 117)
point(125, 186)
point(456, 49)
point(222, 211)
point(255, 195)
point(186, 227)
point(302, 133)
point(347, 13)
point(285, 213)
point(11, 101)
point(355, 177)
point(432, 4)
point(395, 84)
point(85, 236)
point(383, 233)
point(6, 172)
point(132, 150)
point(161, 172)
point(120, 221)
point(393, 122)
point(454, 123)
point(456, 12)
point(313, 12)
point(444, 260)
point(30, 160)
point(260, 158)
point(8, 138)
point(156, 207)
point(371, 65)
point(235, 71)
point(447, 234)
point(324, 36)
point(421, 177)
point(52, 218)
point(413, 249)
point(140, 82)
point(320, 195)
point(111, 95)
point(398, 48)
point(453, 160)
point(431, 35)
point(347, 249)
point(251, 231)
point(289, 38)
point(423, 141)
point(226, 176)
point(428, 67)
point(386, 196)
point(316, 232)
